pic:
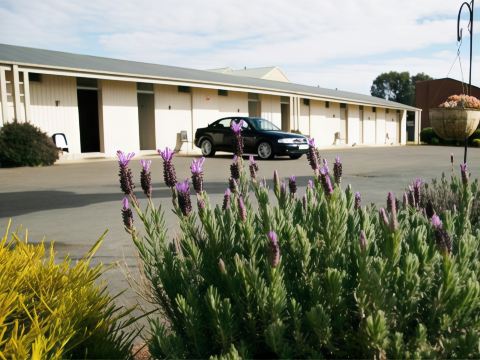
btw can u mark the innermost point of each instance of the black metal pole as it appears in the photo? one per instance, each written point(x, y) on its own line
point(459, 38)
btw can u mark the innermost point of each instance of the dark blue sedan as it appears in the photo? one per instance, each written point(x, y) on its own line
point(260, 137)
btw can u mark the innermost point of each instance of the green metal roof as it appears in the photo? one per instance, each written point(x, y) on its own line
point(11, 54)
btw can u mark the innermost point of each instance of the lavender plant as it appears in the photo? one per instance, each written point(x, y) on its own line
point(313, 276)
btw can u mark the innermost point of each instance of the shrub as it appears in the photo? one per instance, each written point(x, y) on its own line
point(313, 276)
point(427, 134)
point(435, 141)
point(473, 137)
point(55, 310)
point(22, 144)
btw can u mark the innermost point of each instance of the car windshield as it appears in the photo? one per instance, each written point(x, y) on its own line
point(262, 124)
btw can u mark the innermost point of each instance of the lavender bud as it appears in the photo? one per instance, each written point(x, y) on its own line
point(411, 197)
point(405, 200)
point(197, 174)
point(292, 185)
point(273, 249)
point(237, 131)
point(326, 182)
point(337, 171)
point(383, 217)
point(312, 155)
point(253, 166)
point(358, 200)
point(363, 241)
point(127, 214)
point(125, 173)
point(283, 189)
point(169, 174)
point(221, 267)
point(304, 202)
point(146, 177)
point(242, 211)
point(233, 186)
point(442, 238)
point(390, 202)
point(310, 184)
point(235, 168)
point(200, 204)
point(226, 199)
point(464, 171)
point(184, 202)
point(276, 182)
point(429, 210)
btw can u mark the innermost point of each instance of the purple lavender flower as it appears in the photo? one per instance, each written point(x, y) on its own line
point(146, 177)
point(417, 190)
point(337, 170)
point(310, 184)
point(197, 174)
point(390, 202)
point(237, 131)
point(358, 200)
point(292, 184)
point(226, 199)
point(253, 166)
point(429, 211)
point(242, 211)
point(127, 214)
point(304, 201)
point(312, 155)
point(464, 171)
point(392, 208)
point(273, 249)
point(125, 173)
point(169, 175)
point(235, 168)
point(363, 241)
point(183, 192)
point(326, 182)
point(442, 238)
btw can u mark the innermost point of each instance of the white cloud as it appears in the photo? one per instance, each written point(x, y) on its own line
point(328, 42)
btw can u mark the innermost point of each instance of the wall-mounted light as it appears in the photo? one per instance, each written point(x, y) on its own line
point(238, 110)
point(169, 107)
point(57, 102)
point(333, 115)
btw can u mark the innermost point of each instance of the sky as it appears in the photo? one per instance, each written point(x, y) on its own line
point(327, 43)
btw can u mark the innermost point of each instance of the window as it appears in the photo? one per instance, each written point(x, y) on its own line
point(224, 123)
point(253, 96)
point(343, 106)
point(306, 102)
point(184, 89)
point(327, 104)
point(34, 77)
point(284, 100)
point(222, 92)
point(145, 88)
point(87, 83)
point(374, 109)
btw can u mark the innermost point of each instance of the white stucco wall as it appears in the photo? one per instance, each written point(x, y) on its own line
point(304, 119)
point(325, 122)
point(52, 118)
point(235, 104)
point(380, 126)
point(353, 124)
point(170, 121)
point(368, 126)
point(391, 126)
point(119, 116)
point(271, 109)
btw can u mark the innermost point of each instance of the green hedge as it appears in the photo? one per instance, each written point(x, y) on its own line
point(428, 136)
point(22, 144)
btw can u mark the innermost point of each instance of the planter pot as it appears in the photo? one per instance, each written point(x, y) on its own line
point(453, 123)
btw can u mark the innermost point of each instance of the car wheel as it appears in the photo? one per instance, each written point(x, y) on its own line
point(295, 156)
point(265, 151)
point(207, 148)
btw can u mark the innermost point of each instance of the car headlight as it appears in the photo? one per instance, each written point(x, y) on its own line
point(288, 141)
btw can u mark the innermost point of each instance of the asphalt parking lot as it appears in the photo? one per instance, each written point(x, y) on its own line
point(74, 203)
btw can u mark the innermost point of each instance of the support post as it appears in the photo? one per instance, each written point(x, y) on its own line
point(26, 96)
point(16, 94)
point(3, 96)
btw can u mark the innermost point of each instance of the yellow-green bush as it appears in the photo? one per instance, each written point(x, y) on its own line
point(56, 310)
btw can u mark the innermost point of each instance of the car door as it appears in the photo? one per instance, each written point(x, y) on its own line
point(249, 137)
point(219, 130)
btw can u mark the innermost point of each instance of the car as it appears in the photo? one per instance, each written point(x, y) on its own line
point(260, 137)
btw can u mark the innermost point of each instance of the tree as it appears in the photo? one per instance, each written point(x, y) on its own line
point(397, 86)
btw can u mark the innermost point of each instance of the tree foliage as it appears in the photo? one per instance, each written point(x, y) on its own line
point(397, 86)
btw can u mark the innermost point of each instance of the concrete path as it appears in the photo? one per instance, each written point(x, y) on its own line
point(73, 204)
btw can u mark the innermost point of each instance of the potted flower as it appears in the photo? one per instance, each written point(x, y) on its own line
point(457, 118)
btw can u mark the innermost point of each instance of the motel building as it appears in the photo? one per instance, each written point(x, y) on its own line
point(101, 105)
